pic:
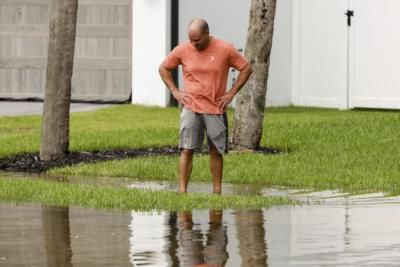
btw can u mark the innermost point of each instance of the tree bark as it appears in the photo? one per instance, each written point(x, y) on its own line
point(250, 101)
point(55, 124)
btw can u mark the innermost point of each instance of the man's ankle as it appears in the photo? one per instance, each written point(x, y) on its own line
point(217, 191)
point(182, 190)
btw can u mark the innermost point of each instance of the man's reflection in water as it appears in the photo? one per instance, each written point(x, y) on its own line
point(251, 236)
point(56, 230)
point(172, 238)
point(191, 250)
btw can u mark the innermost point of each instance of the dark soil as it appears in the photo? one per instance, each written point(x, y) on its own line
point(32, 163)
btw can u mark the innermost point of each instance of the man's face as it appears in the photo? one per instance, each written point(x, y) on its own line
point(198, 39)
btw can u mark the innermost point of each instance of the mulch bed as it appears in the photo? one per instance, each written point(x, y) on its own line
point(31, 162)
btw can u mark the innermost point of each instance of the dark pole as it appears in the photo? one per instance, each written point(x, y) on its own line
point(174, 41)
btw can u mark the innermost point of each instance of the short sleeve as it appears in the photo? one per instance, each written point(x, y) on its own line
point(173, 59)
point(236, 60)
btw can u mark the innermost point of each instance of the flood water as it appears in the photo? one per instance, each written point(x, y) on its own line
point(333, 230)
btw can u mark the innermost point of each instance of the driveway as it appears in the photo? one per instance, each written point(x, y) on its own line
point(16, 108)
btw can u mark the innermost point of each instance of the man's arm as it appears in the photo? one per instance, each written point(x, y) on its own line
point(242, 78)
point(166, 76)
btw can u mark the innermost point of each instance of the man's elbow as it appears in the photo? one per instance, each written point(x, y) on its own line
point(161, 69)
point(249, 69)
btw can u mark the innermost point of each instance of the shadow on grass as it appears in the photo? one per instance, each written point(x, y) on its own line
point(31, 162)
point(388, 110)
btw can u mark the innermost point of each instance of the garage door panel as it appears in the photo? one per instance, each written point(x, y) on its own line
point(102, 49)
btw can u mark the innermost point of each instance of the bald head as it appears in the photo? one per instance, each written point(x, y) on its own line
point(198, 24)
point(198, 33)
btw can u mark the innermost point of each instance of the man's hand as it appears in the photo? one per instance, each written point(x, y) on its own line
point(181, 97)
point(166, 76)
point(225, 100)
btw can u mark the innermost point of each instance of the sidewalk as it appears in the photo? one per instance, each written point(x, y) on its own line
point(17, 108)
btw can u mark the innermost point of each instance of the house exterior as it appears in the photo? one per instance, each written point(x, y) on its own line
point(102, 65)
point(228, 20)
point(321, 55)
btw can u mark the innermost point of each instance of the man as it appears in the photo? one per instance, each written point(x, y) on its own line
point(206, 61)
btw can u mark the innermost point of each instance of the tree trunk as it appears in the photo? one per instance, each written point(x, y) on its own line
point(55, 124)
point(250, 101)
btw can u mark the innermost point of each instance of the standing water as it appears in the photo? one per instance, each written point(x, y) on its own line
point(341, 230)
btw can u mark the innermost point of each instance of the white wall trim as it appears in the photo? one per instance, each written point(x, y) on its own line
point(351, 65)
point(296, 58)
point(326, 102)
point(151, 41)
point(373, 102)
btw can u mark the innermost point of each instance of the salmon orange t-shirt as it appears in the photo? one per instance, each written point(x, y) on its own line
point(205, 72)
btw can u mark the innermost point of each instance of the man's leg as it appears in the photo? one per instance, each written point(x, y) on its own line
point(185, 169)
point(216, 167)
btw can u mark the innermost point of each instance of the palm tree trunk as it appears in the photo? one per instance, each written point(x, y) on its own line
point(250, 101)
point(55, 124)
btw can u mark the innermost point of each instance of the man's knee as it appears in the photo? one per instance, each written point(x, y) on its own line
point(187, 152)
point(214, 151)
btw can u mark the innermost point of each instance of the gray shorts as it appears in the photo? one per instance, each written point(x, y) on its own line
point(194, 125)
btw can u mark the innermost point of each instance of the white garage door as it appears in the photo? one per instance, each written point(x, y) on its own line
point(102, 65)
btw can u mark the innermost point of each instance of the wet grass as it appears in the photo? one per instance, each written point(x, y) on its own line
point(122, 126)
point(65, 194)
point(354, 151)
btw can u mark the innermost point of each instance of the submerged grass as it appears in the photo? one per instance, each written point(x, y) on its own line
point(65, 194)
point(354, 151)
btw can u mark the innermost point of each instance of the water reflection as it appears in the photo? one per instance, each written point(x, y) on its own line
point(172, 239)
point(191, 249)
point(251, 236)
point(184, 238)
point(33, 235)
point(355, 231)
point(57, 239)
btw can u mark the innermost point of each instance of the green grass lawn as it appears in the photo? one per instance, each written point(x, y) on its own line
point(66, 194)
point(354, 151)
point(121, 126)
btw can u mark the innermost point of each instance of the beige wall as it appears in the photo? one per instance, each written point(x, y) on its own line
point(102, 52)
